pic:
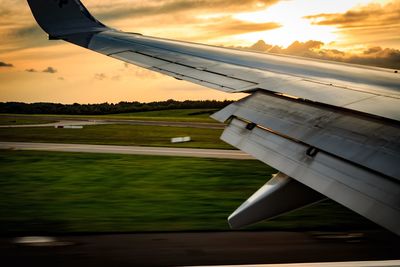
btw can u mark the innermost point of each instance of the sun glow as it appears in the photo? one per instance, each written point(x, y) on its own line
point(294, 26)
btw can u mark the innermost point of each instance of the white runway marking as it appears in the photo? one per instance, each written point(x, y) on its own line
point(133, 150)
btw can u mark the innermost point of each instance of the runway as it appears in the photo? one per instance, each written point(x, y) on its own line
point(132, 150)
point(205, 248)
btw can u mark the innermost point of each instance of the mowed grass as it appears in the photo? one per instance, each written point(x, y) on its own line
point(4, 120)
point(118, 135)
point(183, 115)
point(49, 192)
point(194, 115)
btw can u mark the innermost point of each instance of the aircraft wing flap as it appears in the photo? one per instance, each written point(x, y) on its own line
point(368, 193)
point(364, 141)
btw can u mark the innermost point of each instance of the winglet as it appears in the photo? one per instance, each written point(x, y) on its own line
point(65, 18)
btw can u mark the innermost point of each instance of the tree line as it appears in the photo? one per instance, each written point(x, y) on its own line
point(107, 108)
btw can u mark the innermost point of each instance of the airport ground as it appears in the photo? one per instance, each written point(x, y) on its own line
point(106, 207)
point(121, 133)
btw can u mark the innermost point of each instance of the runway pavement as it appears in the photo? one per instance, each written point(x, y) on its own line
point(133, 150)
point(207, 248)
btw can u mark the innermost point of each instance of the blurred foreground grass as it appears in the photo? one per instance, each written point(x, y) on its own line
point(118, 134)
point(50, 192)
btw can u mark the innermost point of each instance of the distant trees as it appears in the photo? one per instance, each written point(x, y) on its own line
point(107, 108)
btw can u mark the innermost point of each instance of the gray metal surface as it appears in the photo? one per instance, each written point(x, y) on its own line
point(61, 18)
point(337, 84)
point(279, 195)
point(370, 194)
point(368, 142)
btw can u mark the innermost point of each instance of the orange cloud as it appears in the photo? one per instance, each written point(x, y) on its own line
point(373, 24)
point(374, 56)
point(366, 16)
point(120, 10)
point(227, 26)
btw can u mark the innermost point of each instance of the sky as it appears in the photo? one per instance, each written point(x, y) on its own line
point(33, 69)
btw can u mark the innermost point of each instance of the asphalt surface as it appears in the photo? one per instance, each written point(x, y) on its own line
point(212, 248)
point(133, 150)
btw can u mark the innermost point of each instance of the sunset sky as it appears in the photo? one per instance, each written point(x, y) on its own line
point(33, 69)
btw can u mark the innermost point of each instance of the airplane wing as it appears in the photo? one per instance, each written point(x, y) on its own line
point(331, 129)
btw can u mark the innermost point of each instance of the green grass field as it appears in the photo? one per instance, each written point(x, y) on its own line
point(184, 115)
point(195, 115)
point(4, 120)
point(117, 135)
point(43, 192)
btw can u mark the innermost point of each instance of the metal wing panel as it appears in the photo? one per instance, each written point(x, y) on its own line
point(59, 18)
point(139, 59)
point(238, 71)
point(383, 106)
point(360, 140)
point(279, 195)
point(189, 79)
point(378, 80)
point(369, 194)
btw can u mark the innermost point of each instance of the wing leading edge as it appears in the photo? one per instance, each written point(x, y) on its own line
point(332, 127)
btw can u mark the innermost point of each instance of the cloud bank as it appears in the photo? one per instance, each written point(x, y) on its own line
point(373, 56)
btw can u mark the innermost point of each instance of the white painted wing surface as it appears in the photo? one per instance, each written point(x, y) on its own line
point(333, 127)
